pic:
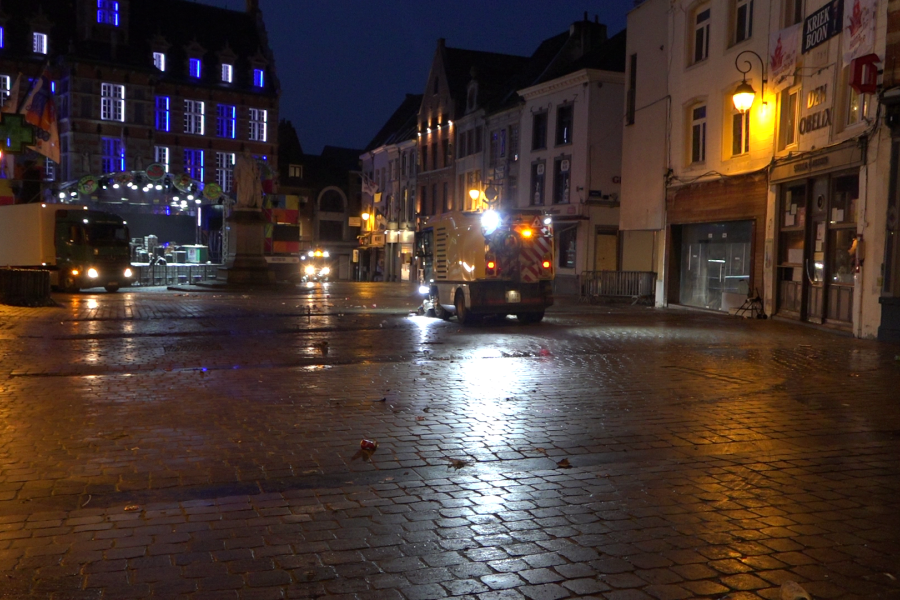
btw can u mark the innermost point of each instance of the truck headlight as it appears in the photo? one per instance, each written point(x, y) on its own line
point(309, 270)
point(92, 273)
point(490, 221)
point(325, 271)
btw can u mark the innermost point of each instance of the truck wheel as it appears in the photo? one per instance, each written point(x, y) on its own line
point(112, 289)
point(462, 313)
point(533, 317)
point(440, 312)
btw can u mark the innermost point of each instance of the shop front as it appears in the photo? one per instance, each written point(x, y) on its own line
point(715, 242)
point(816, 221)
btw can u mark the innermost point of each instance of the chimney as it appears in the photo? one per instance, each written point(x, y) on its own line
point(252, 6)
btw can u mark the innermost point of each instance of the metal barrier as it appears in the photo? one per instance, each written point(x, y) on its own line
point(637, 285)
point(25, 287)
point(173, 274)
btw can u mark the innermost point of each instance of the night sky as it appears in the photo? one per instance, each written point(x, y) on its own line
point(345, 65)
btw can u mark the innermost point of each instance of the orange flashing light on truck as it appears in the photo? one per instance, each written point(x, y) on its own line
point(486, 263)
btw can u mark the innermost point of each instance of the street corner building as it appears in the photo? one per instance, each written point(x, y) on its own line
point(760, 155)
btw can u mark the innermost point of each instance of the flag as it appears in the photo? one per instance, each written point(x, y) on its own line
point(859, 30)
point(12, 102)
point(368, 185)
point(40, 111)
point(784, 48)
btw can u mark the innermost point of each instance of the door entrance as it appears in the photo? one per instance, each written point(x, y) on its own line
point(605, 252)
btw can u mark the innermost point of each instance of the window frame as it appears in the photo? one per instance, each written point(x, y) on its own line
point(226, 125)
point(39, 43)
point(195, 68)
point(112, 155)
point(112, 102)
point(162, 155)
point(744, 139)
point(536, 192)
point(259, 78)
point(5, 88)
point(788, 125)
point(108, 12)
point(163, 114)
point(741, 32)
point(562, 180)
point(295, 171)
point(225, 170)
point(191, 168)
point(159, 61)
point(539, 122)
point(566, 138)
point(194, 120)
point(700, 29)
point(698, 124)
point(259, 128)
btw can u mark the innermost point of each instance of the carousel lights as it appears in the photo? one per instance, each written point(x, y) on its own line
point(62, 195)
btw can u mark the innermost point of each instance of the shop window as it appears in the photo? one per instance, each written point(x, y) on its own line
point(162, 113)
point(701, 34)
point(698, 134)
point(226, 119)
point(258, 124)
point(112, 155)
point(159, 60)
point(537, 183)
point(787, 126)
point(193, 163)
point(225, 170)
point(567, 247)
point(194, 111)
point(715, 264)
point(561, 169)
point(112, 102)
point(539, 130)
point(743, 20)
point(564, 119)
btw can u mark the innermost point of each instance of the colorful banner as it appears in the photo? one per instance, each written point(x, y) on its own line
point(40, 111)
point(784, 50)
point(859, 29)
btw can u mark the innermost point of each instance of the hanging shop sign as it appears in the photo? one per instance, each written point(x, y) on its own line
point(212, 191)
point(823, 25)
point(88, 184)
point(155, 172)
point(182, 182)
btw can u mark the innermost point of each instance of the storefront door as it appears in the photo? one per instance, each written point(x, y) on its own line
point(815, 259)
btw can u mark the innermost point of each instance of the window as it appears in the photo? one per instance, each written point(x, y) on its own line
point(4, 89)
point(112, 102)
point(494, 148)
point(698, 134)
point(258, 122)
point(787, 130)
point(479, 138)
point(226, 118)
point(108, 12)
point(566, 251)
point(161, 156)
point(564, 117)
point(193, 116)
point(112, 153)
point(259, 78)
point(227, 73)
point(195, 67)
point(462, 147)
point(630, 94)
point(793, 12)
point(2, 36)
point(561, 168)
point(162, 114)
point(537, 183)
point(857, 105)
point(424, 157)
point(445, 151)
point(159, 61)
point(539, 131)
point(701, 34)
point(49, 170)
point(740, 133)
point(225, 170)
point(193, 163)
point(39, 43)
point(743, 20)
point(514, 142)
point(295, 171)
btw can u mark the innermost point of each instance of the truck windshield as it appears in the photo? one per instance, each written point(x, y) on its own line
point(105, 233)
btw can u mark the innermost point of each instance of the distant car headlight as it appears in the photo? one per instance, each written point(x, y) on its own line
point(325, 271)
point(309, 270)
point(92, 273)
point(128, 273)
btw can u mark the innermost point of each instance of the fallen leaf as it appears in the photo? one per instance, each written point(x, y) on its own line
point(420, 418)
point(564, 464)
point(132, 507)
point(541, 450)
point(458, 464)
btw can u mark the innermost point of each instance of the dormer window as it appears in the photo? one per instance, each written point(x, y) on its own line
point(108, 12)
point(195, 67)
point(39, 43)
point(159, 61)
point(2, 35)
point(259, 78)
point(227, 73)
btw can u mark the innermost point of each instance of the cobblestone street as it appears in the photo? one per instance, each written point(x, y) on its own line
point(182, 444)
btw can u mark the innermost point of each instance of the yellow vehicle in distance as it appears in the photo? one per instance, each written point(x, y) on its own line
point(315, 265)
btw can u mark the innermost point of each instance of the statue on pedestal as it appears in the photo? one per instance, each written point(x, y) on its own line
point(248, 184)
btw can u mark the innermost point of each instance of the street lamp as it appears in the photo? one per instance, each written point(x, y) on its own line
point(745, 94)
point(474, 195)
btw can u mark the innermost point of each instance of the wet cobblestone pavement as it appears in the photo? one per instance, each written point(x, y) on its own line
point(182, 444)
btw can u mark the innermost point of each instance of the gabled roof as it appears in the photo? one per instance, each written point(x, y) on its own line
point(401, 126)
point(491, 70)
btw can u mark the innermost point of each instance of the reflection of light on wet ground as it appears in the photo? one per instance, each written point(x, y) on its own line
point(92, 303)
point(425, 326)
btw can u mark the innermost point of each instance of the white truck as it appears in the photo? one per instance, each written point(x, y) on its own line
point(81, 248)
point(487, 263)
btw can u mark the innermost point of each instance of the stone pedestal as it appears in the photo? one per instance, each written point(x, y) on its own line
point(248, 228)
